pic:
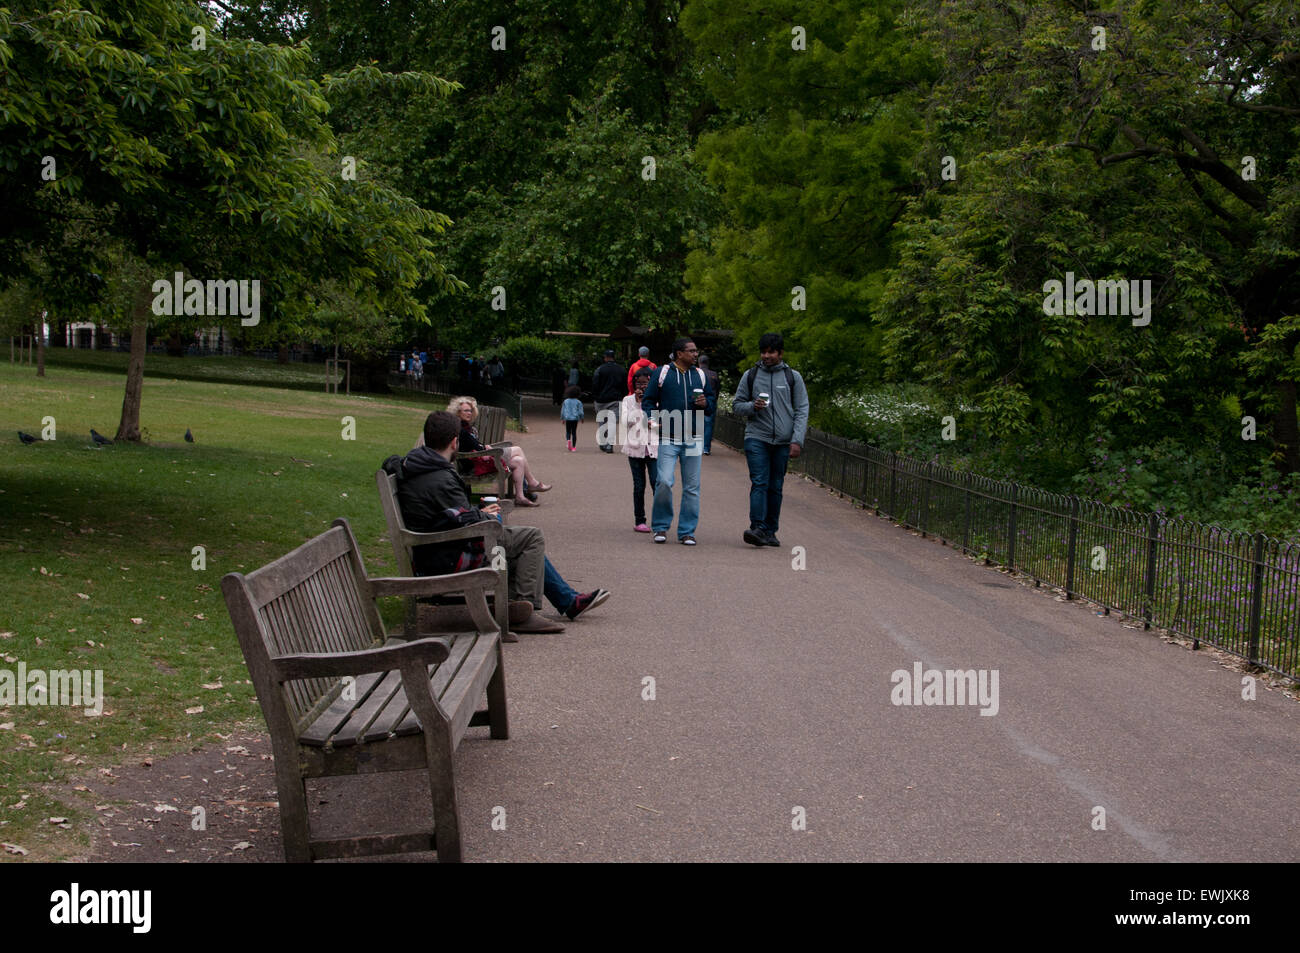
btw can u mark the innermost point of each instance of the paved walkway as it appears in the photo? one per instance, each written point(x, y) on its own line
point(773, 701)
point(772, 692)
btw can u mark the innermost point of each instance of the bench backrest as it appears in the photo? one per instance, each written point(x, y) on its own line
point(491, 424)
point(313, 599)
point(387, 484)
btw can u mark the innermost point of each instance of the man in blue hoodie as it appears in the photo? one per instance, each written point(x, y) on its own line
point(773, 396)
point(434, 498)
point(680, 397)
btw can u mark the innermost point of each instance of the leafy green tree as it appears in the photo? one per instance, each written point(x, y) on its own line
point(1146, 140)
point(208, 154)
point(813, 162)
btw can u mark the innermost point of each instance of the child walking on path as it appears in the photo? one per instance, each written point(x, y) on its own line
point(641, 444)
point(571, 411)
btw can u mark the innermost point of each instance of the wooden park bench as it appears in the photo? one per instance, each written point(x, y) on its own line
point(404, 542)
point(339, 700)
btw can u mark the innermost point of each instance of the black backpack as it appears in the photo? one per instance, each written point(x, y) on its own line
point(753, 373)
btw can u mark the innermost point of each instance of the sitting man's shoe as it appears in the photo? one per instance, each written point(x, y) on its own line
point(661, 537)
point(755, 537)
point(584, 601)
point(537, 623)
point(531, 495)
point(769, 538)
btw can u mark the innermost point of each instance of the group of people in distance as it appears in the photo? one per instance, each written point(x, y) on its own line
point(661, 422)
point(666, 424)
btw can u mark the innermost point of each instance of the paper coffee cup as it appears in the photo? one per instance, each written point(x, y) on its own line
point(762, 396)
point(488, 499)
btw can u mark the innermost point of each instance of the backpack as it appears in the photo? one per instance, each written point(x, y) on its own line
point(753, 373)
point(663, 374)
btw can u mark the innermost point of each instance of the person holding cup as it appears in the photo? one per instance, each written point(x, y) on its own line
point(773, 397)
point(678, 398)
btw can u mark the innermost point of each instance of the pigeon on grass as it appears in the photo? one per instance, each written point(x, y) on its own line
point(26, 437)
point(189, 437)
point(99, 438)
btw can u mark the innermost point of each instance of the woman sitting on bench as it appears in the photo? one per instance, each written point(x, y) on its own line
point(527, 486)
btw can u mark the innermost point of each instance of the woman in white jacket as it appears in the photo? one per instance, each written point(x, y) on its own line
point(641, 444)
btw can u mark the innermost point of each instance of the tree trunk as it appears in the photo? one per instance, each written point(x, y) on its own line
point(129, 428)
point(40, 345)
point(1286, 428)
point(282, 354)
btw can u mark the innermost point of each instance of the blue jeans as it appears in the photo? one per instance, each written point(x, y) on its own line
point(662, 516)
point(767, 463)
point(708, 433)
point(559, 592)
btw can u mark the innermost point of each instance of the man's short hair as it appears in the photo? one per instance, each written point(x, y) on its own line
point(643, 351)
point(771, 341)
point(679, 345)
point(440, 429)
point(641, 374)
point(704, 360)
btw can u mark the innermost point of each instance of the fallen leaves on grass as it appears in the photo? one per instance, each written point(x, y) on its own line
point(14, 849)
point(196, 710)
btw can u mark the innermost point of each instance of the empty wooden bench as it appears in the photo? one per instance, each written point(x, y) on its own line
point(338, 699)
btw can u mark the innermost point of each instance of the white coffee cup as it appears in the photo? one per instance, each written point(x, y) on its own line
point(488, 500)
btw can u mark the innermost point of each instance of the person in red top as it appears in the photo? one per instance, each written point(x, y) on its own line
point(643, 360)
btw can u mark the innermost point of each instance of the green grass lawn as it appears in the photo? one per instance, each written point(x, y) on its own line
point(96, 558)
point(236, 370)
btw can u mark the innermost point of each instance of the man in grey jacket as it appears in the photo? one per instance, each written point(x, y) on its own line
point(773, 397)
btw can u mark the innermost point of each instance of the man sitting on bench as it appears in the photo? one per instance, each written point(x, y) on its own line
point(434, 498)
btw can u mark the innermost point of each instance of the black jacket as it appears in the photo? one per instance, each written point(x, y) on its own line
point(433, 498)
point(607, 383)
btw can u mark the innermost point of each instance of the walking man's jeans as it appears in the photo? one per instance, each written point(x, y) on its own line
point(643, 469)
point(662, 515)
point(767, 463)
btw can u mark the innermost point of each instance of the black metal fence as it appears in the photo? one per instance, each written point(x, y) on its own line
point(1237, 591)
point(449, 385)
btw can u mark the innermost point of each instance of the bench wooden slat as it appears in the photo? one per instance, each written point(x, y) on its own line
point(462, 693)
point(373, 844)
point(332, 718)
point(398, 714)
point(351, 731)
point(467, 654)
point(290, 570)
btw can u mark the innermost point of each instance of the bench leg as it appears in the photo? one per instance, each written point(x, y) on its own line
point(442, 786)
point(294, 828)
point(498, 717)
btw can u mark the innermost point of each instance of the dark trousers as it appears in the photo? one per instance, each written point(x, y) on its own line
point(571, 431)
point(643, 471)
point(767, 463)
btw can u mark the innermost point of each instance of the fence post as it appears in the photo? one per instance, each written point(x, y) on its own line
point(1072, 547)
point(1153, 535)
point(1011, 528)
point(1256, 598)
point(844, 468)
point(893, 482)
point(925, 499)
point(965, 533)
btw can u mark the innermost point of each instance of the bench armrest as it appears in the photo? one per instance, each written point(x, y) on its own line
point(472, 580)
point(488, 529)
point(387, 658)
